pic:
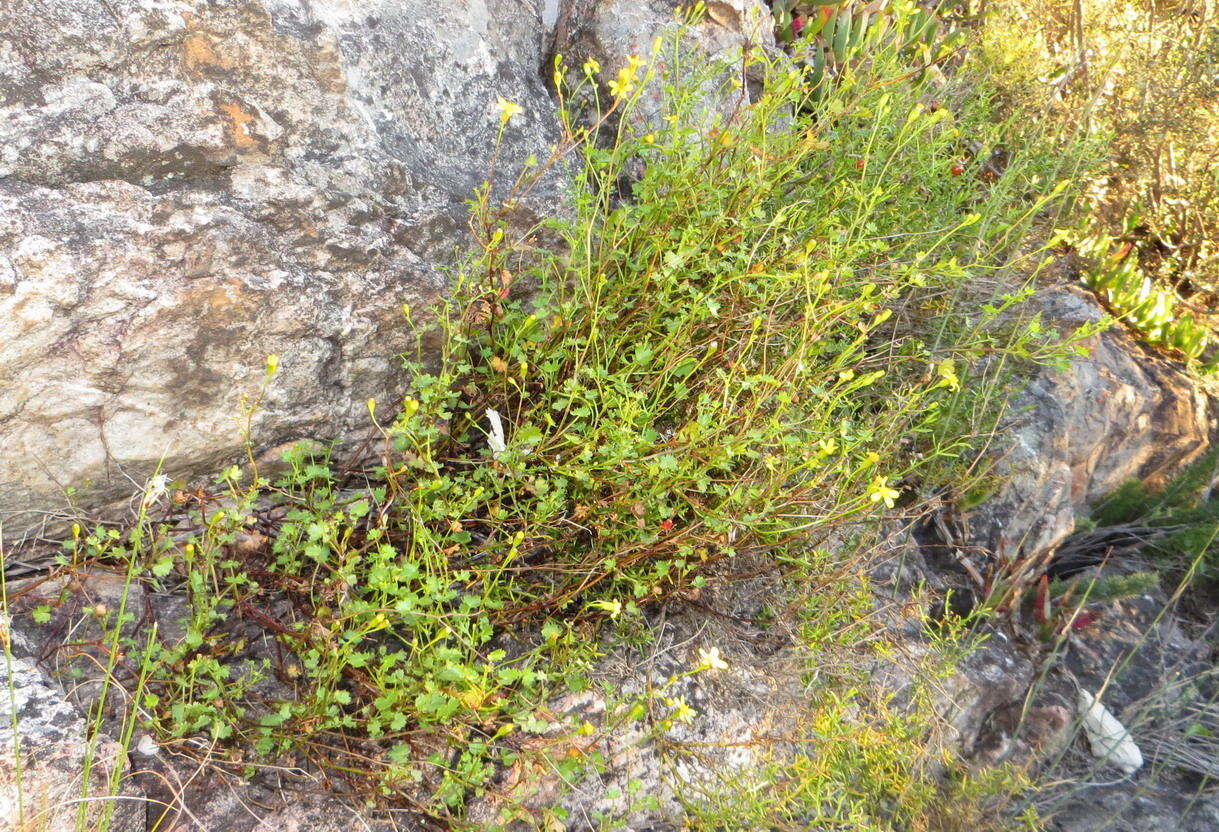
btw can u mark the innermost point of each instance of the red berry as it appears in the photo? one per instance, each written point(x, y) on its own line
point(666, 525)
point(958, 169)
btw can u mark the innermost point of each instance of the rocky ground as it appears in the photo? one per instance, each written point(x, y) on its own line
point(1011, 700)
point(188, 184)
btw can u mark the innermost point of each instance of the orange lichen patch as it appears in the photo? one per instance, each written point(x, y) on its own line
point(217, 305)
point(198, 54)
point(329, 64)
point(239, 122)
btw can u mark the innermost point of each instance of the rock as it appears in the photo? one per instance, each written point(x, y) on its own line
point(1110, 740)
point(44, 747)
point(1074, 436)
point(990, 677)
point(188, 186)
point(712, 49)
point(1045, 728)
point(1181, 807)
point(653, 762)
point(229, 805)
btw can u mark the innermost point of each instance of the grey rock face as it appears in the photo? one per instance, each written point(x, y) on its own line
point(711, 51)
point(1074, 436)
point(189, 186)
point(42, 759)
point(732, 723)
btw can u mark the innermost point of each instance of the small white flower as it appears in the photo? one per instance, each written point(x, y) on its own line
point(495, 439)
point(1109, 739)
point(157, 488)
point(147, 746)
point(711, 659)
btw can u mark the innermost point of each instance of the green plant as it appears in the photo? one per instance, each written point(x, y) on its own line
point(770, 339)
point(827, 36)
point(91, 797)
point(859, 761)
point(1179, 522)
point(1140, 80)
point(1156, 312)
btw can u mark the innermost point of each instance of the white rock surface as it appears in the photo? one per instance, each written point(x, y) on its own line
point(187, 186)
point(42, 781)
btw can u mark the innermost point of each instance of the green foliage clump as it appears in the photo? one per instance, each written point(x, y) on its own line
point(1106, 589)
point(829, 36)
point(1142, 81)
point(1180, 522)
point(759, 336)
point(866, 775)
point(1152, 309)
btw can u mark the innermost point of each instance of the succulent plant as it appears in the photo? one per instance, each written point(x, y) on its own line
point(1114, 273)
point(829, 35)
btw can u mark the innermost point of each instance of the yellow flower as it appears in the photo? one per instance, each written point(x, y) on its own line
point(473, 697)
point(948, 375)
point(507, 109)
point(879, 491)
point(650, 138)
point(682, 712)
point(614, 608)
point(711, 660)
point(622, 85)
point(625, 82)
point(591, 67)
